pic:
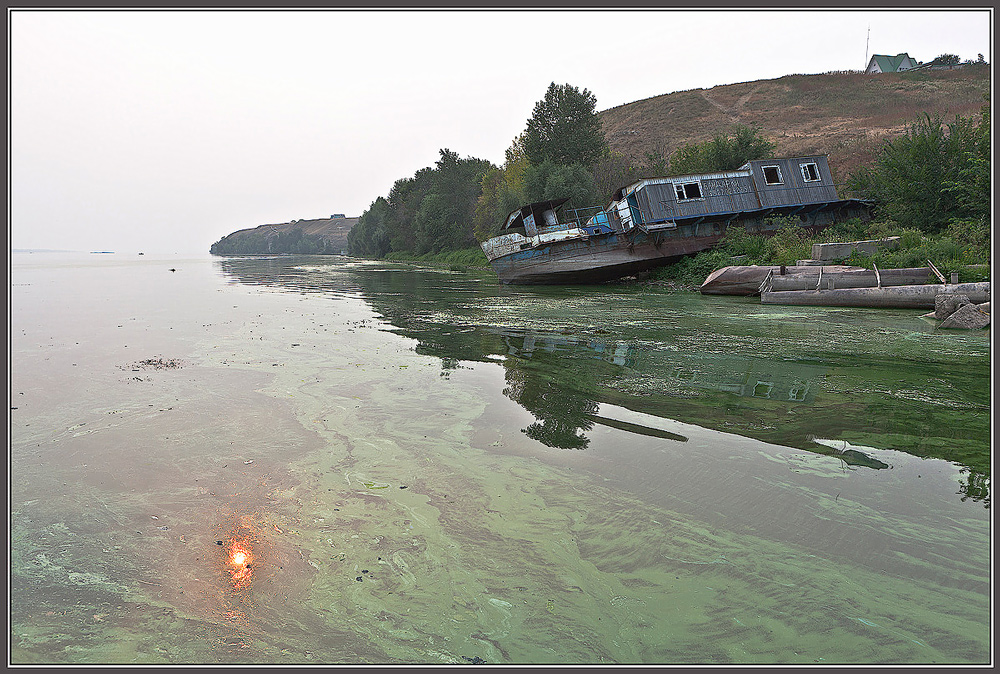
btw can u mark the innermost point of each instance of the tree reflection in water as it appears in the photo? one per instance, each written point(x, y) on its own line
point(561, 415)
point(567, 351)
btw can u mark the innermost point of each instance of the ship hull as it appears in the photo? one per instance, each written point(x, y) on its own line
point(596, 259)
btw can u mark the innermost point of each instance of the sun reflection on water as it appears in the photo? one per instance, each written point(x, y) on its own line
point(242, 552)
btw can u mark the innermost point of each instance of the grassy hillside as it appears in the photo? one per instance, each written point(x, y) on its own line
point(843, 115)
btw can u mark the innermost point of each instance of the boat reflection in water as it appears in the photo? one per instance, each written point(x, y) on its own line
point(572, 354)
point(563, 418)
point(564, 412)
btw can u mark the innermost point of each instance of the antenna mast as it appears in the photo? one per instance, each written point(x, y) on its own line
point(866, 45)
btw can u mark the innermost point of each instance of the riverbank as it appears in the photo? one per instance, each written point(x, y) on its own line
point(469, 258)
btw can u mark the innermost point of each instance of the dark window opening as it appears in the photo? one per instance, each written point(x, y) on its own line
point(810, 173)
point(772, 175)
point(688, 191)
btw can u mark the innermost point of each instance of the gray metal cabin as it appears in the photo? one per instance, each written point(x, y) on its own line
point(791, 186)
point(792, 182)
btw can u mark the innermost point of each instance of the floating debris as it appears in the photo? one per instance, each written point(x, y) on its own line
point(155, 363)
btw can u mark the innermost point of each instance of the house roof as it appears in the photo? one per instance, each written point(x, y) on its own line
point(890, 64)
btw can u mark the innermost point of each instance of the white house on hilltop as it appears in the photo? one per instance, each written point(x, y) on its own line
point(891, 64)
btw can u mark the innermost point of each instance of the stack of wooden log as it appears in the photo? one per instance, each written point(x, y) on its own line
point(956, 305)
point(817, 283)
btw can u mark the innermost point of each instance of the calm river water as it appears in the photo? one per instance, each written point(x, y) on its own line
point(307, 460)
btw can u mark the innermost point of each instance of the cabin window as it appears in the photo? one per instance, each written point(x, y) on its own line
point(772, 175)
point(797, 392)
point(688, 191)
point(810, 173)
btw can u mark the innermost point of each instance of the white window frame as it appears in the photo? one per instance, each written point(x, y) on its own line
point(681, 193)
point(805, 173)
point(763, 170)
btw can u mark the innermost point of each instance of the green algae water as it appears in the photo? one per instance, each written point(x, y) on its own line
point(307, 460)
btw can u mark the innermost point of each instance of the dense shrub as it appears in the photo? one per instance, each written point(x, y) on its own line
point(725, 152)
point(934, 174)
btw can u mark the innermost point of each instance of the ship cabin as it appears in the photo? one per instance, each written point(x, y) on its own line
point(544, 217)
point(530, 219)
point(794, 186)
point(540, 223)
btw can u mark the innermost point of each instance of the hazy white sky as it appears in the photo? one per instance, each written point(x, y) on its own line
point(162, 131)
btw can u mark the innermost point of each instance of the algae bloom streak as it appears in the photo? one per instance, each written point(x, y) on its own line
point(365, 463)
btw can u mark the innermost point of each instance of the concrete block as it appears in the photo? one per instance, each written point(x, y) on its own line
point(945, 304)
point(968, 317)
point(839, 251)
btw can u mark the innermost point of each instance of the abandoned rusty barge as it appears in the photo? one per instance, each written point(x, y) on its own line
point(656, 221)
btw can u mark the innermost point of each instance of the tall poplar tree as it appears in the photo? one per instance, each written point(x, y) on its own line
point(564, 128)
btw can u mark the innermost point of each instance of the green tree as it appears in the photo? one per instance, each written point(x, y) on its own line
point(970, 184)
point(722, 153)
point(516, 151)
point(404, 200)
point(433, 223)
point(615, 170)
point(428, 213)
point(444, 219)
point(564, 128)
point(691, 158)
point(550, 180)
point(946, 60)
point(932, 175)
point(656, 163)
point(369, 237)
point(502, 192)
point(307, 245)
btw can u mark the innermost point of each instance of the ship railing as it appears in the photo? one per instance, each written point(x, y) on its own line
point(580, 216)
